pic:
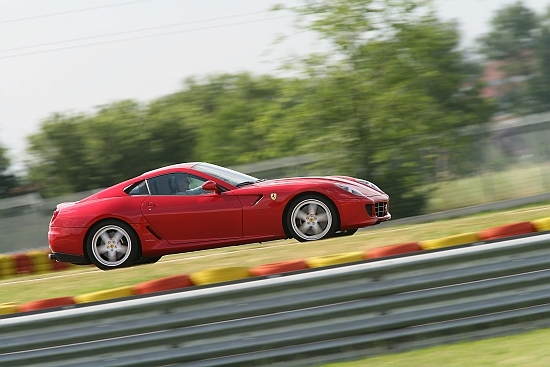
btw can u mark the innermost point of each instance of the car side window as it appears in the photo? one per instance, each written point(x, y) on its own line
point(195, 182)
point(160, 185)
point(176, 184)
point(139, 189)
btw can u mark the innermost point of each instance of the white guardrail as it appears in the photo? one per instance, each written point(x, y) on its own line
point(302, 319)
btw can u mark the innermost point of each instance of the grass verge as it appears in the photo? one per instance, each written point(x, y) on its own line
point(82, 280)
point(522, 350)
point(489, 187)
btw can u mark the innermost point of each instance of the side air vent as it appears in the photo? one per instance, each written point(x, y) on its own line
point(369, 209)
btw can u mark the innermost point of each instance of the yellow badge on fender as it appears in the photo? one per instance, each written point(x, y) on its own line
point(274, 196)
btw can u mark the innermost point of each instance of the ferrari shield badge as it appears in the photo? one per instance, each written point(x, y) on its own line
point(273, 196)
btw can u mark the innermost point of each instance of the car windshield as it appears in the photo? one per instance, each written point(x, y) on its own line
point(230, 176)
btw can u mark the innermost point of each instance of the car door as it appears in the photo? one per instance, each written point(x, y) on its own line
point(189, 218)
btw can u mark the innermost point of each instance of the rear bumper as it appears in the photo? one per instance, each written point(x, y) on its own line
point(67, 240)
point(68, 258)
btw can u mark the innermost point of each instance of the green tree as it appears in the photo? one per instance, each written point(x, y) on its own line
point(7, 180)
point(393, 85)
point(539, 86)
point(171, 131)
point(238, 117)
point(520, 39)
point(122, 140)
point(511, 33)
point(58, 160)
point(381, 104)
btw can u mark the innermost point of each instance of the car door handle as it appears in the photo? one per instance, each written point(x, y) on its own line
point(151, 205)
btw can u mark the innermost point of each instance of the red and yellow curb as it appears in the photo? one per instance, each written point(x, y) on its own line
point(35, 262)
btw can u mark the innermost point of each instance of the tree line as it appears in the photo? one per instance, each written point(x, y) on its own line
point(394, 83)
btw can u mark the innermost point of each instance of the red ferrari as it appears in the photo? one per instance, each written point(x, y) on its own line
point(195, 206)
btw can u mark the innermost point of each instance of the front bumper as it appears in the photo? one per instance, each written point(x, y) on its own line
point(363, 213)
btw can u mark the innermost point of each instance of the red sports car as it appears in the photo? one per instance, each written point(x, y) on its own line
point(195, 206)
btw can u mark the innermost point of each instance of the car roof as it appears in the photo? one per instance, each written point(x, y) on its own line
point(169, 168)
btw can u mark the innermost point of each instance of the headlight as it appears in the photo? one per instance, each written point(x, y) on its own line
point(350, 189)
point(369, 184)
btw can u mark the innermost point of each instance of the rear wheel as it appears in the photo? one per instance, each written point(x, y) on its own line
point(112, 244)
point(311, 218)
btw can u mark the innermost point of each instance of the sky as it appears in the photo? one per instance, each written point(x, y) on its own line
point(70, 56)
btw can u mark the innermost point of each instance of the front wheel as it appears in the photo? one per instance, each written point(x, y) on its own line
point(312, 218)
point(112, 245)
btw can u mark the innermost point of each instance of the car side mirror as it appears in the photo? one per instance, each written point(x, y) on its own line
point(211, 186)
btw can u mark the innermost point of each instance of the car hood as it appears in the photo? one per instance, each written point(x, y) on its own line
point(322, 180)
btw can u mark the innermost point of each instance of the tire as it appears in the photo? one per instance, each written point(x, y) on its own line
point(311, 218)
point(124, 246)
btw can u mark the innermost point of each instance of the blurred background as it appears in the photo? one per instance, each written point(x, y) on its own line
point(388, 92)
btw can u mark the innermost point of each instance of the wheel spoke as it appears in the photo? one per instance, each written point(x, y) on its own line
point(304, 228)
point(102, 249)
point(117, 236)
point(112, 256)
point(105, 237)
point(316, 228)
point(322, 217)
point(123, 249)
point(312, 208)
point(301, 215)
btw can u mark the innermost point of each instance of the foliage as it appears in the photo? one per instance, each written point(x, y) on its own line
point(122, 140)
point(239, 117)
point(520, 38)
point(539, 86)
point(226, 119)
point(384, 99)
point(381, 104)
point(7, 181)
point(511, 32)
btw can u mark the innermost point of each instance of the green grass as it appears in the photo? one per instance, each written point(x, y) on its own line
point(82, 280)
point(524, 350)
point(529, 349)
point(489, 187)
